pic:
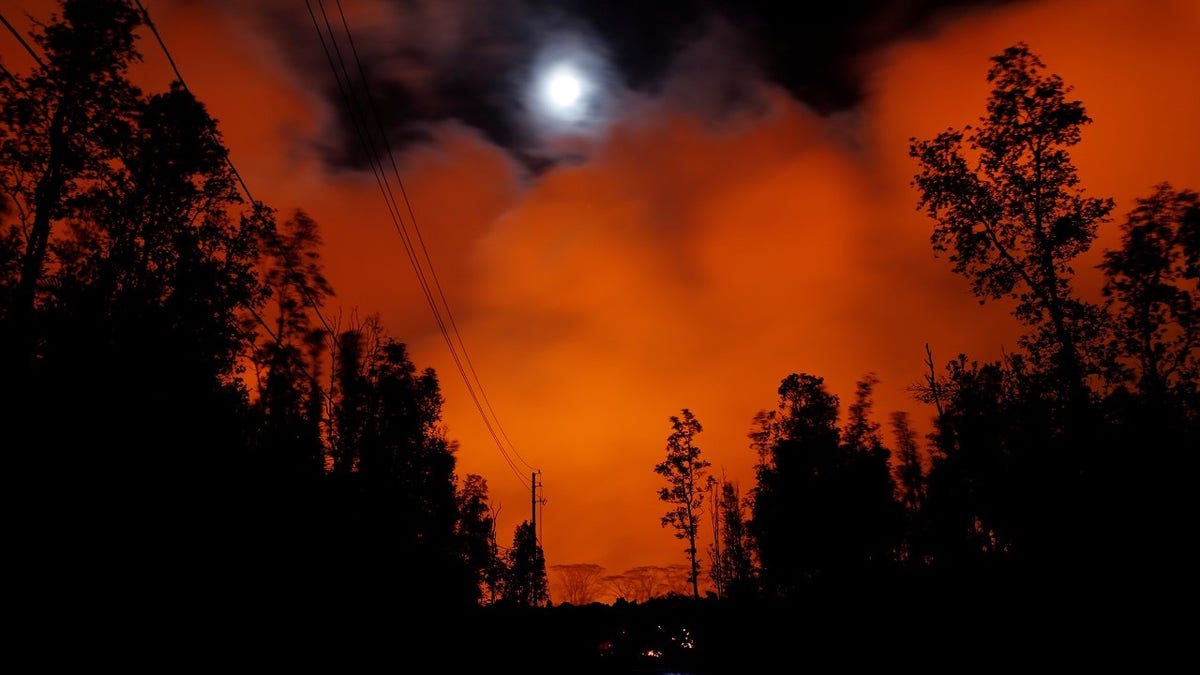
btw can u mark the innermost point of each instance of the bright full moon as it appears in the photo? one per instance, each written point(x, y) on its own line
point(563, 89)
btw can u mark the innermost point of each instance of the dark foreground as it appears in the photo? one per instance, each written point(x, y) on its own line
point(947, 626)
point(963, 629)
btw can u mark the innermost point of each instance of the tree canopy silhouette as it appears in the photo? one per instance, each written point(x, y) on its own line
point(686, 473)
point(1152, 284)
point(1009, 211)
point(173, 396)
point(733, 569)
point(1031, 452)
point(823, 506)
point(525, 581)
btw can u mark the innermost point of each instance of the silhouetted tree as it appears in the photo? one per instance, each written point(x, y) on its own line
point(352, 394)
point(1006, 199)
point(579, 583)
point(135, 280)
point(525, 579)
point(1153, 286)
point(732, 560)
point(824, 505)
point(793, 503)
point(1153, 291)
point(1025, 471)
point(687, 477)
point(995, 496)
point(288, 360)
point(910, 486)
point(872, 517)
point(931, 388)
point(132, 271)
point(392, 482)
point(637, 584)
point(134, 287)
point(477, 535)
point(388, 419)
point(677, 580)
point(62, 128)
point(910, 474)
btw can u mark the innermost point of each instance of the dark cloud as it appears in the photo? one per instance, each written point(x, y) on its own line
point(422, 62)
point(814, 49)
point(474, 61)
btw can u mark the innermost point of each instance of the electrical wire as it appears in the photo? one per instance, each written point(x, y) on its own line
point(229, 161)
point(362, 128)
point(358, 114)
point(256, 203)
point(420, 239)
point(21, 39)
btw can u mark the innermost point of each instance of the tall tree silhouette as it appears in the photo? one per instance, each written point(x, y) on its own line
point(124, 311)
point(823, 509)
point(910, 487)
point(687, 479)
point(291, 403)
point(1153, 290)
point(1022, 443)
point(63, 129)
point(392, 479)
point(910, 474)
point(1008, 208)
point(140, 292)
point(732, 557)
point(136, 287)
point(1153, 285)
point(996, 497)
point(60, 130)
point(477, 535)
point(525, 574)
point(792, 515)
point(873, 519)
point(352, 398)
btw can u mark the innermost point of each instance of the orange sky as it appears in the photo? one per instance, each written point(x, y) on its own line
point(684, 262)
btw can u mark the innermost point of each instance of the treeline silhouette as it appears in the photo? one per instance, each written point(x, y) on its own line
point(1063, 466)
point(1046, 514)
point(182, 422)
point(184, 427)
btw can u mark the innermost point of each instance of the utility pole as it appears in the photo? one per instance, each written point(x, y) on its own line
point(533, 502)
point(716, 527)
point(533, 486)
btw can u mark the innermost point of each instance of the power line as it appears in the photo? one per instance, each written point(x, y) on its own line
point(21, 39)
point(257, 205)
point(369, 146)
point(420, 239)
point(245, 188)
point(366, 137)
point(373, 153)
